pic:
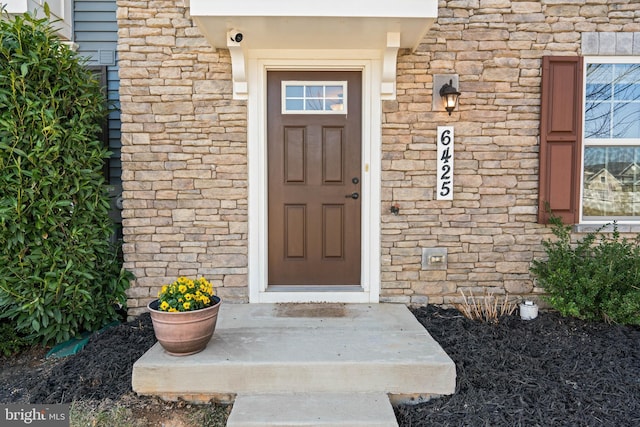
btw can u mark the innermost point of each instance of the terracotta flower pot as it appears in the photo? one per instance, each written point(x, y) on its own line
point(184, 333)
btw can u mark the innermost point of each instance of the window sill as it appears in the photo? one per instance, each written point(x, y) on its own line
point(622, 228)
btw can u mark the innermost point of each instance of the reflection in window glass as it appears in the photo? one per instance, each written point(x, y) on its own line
point(612, 93)
point(334, 91)
point(627, 91)
point(626, 120)
point(611, 169)
point(314, 91)
point(335, 104)
point(598, 92)
point(611, 182)
point(597, 117)
point(314, 97)
point(314, 105)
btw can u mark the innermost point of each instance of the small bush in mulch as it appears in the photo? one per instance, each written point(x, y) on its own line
point(548, 371)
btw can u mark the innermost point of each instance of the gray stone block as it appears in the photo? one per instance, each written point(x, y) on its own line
point(624, 43)
point(590, 43)
point(607, 44)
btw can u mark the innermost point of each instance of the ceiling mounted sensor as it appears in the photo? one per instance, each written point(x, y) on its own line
point(235, 36)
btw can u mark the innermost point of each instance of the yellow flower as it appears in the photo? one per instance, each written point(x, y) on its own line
point(186, 294)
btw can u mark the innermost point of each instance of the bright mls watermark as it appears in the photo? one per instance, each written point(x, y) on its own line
point(34, 415)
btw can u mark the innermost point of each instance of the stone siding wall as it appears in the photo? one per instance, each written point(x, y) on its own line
point(490, 230)
point(184, 149)
point(184, 155)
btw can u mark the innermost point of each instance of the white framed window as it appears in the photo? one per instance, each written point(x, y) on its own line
point(611, 143)
point(314, 97)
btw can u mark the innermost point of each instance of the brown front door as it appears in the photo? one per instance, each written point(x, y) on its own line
point(314, 181)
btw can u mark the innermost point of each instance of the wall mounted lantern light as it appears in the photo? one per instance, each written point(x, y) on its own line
point(449, 95)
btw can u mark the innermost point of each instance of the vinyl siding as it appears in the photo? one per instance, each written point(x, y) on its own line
point(96, 33)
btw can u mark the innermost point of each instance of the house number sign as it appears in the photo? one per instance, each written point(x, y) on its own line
point(444, 182)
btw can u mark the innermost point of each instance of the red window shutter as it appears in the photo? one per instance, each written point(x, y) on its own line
point(560, 138)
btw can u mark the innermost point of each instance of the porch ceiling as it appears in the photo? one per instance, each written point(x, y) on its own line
point(323, 24)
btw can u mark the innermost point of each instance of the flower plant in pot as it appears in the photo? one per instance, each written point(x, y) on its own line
point(184, 316)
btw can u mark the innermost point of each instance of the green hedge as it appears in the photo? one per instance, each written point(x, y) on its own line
point(59, 273)
point(595, 278)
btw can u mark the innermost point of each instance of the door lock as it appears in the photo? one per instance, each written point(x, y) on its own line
point(353, 196)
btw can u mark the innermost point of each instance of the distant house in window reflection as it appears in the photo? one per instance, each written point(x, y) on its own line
point(611, 189)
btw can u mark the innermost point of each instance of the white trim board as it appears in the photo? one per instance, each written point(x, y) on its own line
point(368, 62)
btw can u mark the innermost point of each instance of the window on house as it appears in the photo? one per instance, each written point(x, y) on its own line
point(611, 143)
point(314, 97)
point(590, 139)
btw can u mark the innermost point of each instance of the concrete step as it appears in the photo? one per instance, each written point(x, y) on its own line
point(282, 348)
point(312, 409)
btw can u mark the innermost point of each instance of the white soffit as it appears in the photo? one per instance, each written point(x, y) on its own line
point(385, 26)
point(322, 24)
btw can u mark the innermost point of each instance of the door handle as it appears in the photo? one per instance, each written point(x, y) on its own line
point(353, 196)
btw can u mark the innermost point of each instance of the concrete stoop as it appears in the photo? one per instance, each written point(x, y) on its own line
point(311, 354)
point(312, 409)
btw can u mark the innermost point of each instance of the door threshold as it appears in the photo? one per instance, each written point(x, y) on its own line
point(314, 288)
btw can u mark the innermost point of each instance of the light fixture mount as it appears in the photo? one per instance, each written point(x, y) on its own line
point(449, 95)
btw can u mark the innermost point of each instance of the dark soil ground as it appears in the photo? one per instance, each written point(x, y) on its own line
point(551, 371)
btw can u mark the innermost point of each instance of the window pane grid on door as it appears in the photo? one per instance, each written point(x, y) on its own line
point(314, 97)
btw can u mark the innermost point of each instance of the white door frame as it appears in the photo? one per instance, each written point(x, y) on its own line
point(369, 63)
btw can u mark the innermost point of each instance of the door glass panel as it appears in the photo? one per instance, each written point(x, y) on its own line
point(313, 105)
point(295, 104)
point(314, 92)
point(314, 97)
point(334, 104)
point(295, 91)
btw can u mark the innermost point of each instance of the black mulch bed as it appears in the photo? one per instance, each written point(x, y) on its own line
point(101, 370)
point(551, 371)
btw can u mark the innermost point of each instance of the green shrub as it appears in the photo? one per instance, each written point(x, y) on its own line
point(59, 274)
point(11, 342)
point(597, 277)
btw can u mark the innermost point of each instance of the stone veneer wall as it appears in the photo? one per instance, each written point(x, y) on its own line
point(184, 155)
point(184, 148)
point(490, 229)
